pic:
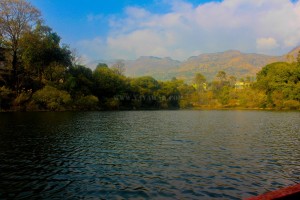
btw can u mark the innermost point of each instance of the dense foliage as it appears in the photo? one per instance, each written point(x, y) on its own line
point(38, 73)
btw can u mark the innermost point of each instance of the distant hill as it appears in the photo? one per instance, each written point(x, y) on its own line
point(232, 62)
point(293, 54)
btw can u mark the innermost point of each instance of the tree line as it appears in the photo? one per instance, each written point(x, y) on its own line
point(38, 73)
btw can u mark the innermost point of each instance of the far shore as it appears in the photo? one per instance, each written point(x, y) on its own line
point(181, 109)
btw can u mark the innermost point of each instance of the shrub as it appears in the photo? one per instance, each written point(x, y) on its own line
point(6, 97)
point(112, 104)
point(89, 102)
point(51, 98)
point(252, 98)
point(185, 104)
point(20, 101)
point(136, 104)
point(291, 104)
point(277, 98)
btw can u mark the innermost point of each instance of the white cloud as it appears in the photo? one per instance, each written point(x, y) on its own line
point(91, 49)
point(268, 43)
point(136, 12)
point(264, 26)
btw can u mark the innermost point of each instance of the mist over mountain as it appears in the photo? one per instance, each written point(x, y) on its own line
point(149, 65)
point(233, 62)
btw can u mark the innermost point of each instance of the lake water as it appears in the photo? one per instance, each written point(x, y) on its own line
point(147, 154)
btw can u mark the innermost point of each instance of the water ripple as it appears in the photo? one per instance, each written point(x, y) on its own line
point(147, 155)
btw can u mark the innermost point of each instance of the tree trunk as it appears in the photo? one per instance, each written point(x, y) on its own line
point(15, 70)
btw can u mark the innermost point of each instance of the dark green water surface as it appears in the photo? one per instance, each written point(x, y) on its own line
point(147, 154)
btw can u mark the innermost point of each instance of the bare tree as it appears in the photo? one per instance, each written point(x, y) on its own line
point(1, 38)
point(76, 58)
point(16, 18)
point(119, 67)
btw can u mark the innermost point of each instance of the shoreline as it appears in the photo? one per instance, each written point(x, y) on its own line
point(179, 109)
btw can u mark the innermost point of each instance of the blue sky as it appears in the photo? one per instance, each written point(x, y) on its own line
point(70, 18)
point(179, 29)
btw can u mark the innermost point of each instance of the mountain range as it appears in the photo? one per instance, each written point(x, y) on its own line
point(232, 62)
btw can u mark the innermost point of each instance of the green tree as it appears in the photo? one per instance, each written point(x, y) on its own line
point(224, 95)
point(199, 82)
point(42, 55)
point(145, 85)
point(145, 90)
point(16, 18)
point(107, 83)
point(169, 94)
point(220, 82)
point(79, 81)
point(280, 81)
point(186, 91)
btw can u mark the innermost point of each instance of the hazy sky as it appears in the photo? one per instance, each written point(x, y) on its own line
point(127, 29)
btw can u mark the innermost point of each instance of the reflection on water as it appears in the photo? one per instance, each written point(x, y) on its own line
point(153, 154)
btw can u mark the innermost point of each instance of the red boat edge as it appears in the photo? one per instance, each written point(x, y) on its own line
point(287, 193)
